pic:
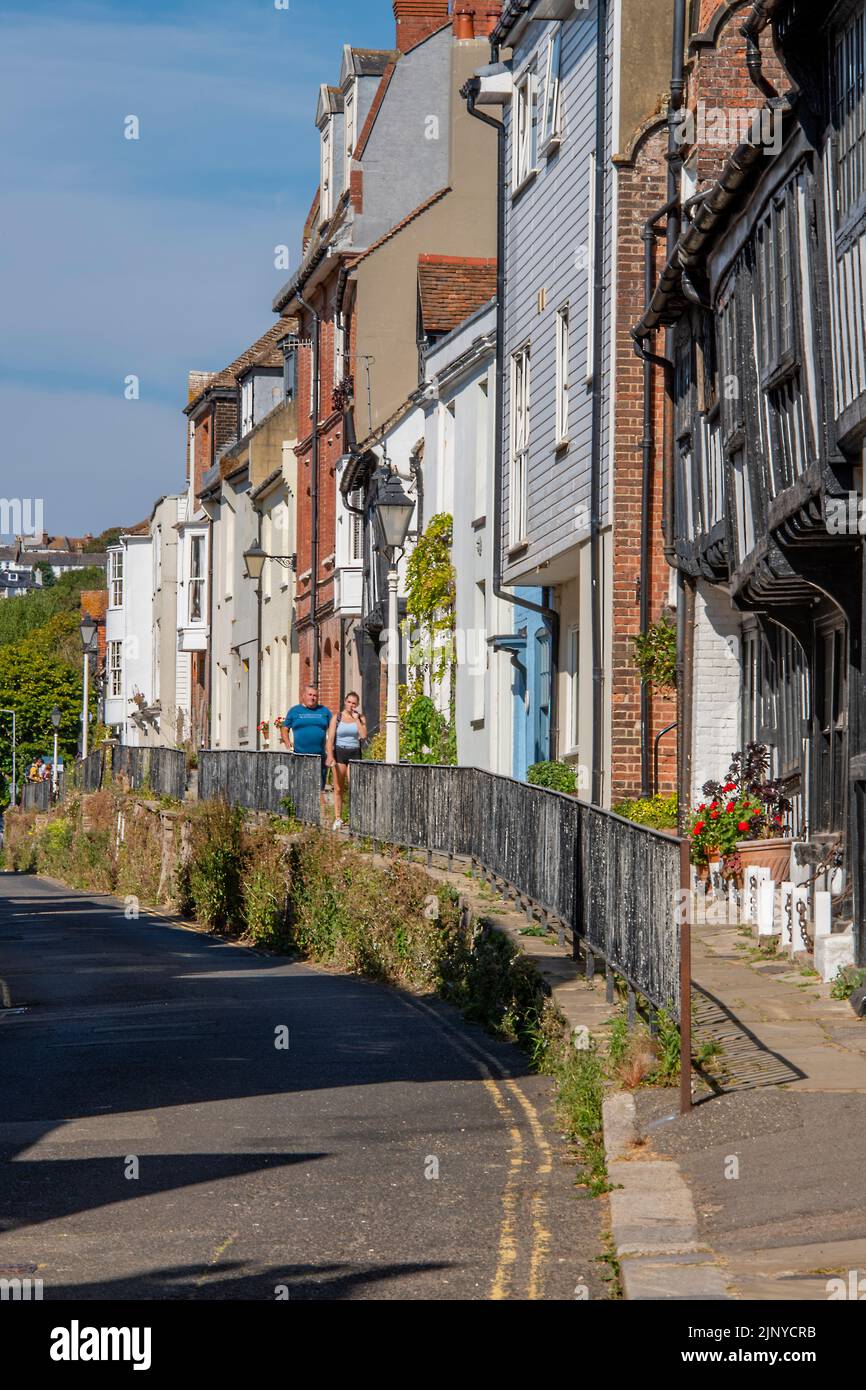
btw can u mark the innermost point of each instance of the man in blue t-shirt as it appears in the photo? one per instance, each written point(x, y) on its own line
point(306, 728)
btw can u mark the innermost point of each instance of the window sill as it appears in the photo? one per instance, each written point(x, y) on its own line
point(551, 145)
point(562, 446)
point(518, 549)
point(518, 188)
point(477, 724)
point(479, 523)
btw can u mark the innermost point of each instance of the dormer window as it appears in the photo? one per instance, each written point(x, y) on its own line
point(350, 108)
point(326, 194)
point(246, 407)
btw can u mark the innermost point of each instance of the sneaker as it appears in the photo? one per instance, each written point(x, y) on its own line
point(338, 825)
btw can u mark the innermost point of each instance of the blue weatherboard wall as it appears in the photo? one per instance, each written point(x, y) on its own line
point(531, 737)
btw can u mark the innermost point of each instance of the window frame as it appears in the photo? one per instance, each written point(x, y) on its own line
point(520, 420)
point(848, 120)
point(563, 376)
point(116, 578)
point(524, 150)
point(115, 669)
point(326, 172)
point(550, 131)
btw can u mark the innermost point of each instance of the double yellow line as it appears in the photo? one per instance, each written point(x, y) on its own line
point(510, 1100)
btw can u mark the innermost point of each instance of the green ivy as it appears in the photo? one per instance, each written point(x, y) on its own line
point(655, 654)
point(431, 592)
point(557, 777)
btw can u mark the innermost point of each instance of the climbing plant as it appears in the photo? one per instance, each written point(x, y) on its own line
point(655, 654)
point(430, 600)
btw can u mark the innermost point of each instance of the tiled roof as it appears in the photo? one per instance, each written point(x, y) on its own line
point(263, 353)
point(451, 288)
point(367, 127)
point(410, 217)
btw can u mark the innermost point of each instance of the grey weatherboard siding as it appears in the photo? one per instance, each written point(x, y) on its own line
point(549, 238)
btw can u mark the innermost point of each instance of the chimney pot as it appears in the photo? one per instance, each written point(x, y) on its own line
point(463, 21)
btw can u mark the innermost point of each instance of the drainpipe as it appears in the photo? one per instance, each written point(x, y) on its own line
point(751, 32)
point(649, 234)
point(595, 477)
point(470, 93)
point(314, 488)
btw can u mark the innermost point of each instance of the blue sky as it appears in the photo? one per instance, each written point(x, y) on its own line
point(147, 257)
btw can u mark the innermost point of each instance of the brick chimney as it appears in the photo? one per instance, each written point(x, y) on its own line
point(416, 19)
point(487, 15)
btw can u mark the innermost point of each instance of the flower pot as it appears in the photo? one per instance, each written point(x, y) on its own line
point(774, 855)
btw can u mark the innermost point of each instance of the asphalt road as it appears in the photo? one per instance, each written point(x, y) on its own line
point(156, 1143)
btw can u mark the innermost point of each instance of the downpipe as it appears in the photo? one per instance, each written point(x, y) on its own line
point(314, 487)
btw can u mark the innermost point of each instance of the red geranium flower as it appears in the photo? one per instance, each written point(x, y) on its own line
point(729, 787)
point(703, 806)
point(777, 820)
point(714, 806)
point(699, 825)
point(714, 815)
point(743, 825)
point(731, 807)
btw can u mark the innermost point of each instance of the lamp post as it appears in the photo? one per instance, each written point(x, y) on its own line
point(56, 717)
point(393, 512)
point(254, 563)
point(89, 641)
point(14, 753)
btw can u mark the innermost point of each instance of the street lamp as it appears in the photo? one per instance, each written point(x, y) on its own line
point(393, 512)
point(90, 644)
point(56, 717)
point(14, 754)
point(255, 557)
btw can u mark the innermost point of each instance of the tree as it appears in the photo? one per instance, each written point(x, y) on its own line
point(34, 677)
point(49, 579)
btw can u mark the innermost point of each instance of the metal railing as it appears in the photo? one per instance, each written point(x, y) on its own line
point(614, 885)
point(36, 796)
point(272, 782)
point(161, 770)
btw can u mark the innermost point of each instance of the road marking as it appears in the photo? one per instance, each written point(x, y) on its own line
point(541, 1235)
point(216, 1257)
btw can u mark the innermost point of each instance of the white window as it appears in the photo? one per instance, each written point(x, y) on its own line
point(550, 121)
point(196, 579)
point(246, 407)
point(356, 529)
point(519, 446)
point(590, 272)
point(115, 575)
point(563, 380)
point(479, 655)
point(327, 177)
point(482, 447)
point(350, 108)
point(115, 669)
point(524, 134)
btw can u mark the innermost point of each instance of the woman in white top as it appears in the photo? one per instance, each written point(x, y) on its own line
point(345, 734)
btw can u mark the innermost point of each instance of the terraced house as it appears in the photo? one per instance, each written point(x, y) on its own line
point(761, 306)
point(404, 173)
point(580, 94)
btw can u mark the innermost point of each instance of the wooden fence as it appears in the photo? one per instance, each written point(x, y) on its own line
point(271, 782)
point(612, 884)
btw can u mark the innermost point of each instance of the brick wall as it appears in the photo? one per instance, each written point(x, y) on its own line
point(203, 450)
point(331, 449)
point(642, 190)
point(94, 602)
point(719, 83)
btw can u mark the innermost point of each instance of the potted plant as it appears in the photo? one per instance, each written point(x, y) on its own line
point(752, 814)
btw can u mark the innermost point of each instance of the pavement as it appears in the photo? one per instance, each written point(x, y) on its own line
point(761, 1191)
point(184, 1118)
